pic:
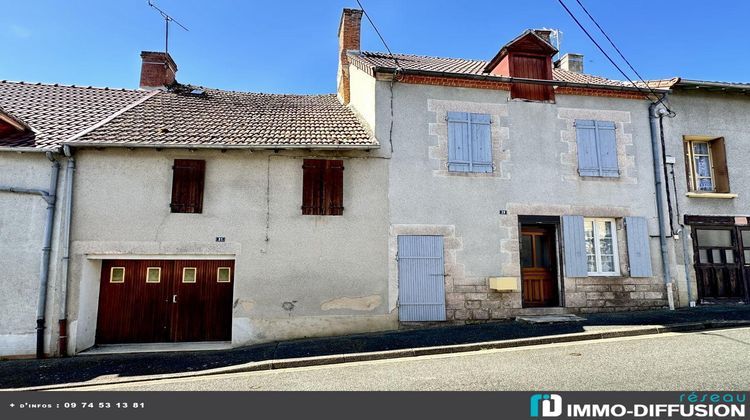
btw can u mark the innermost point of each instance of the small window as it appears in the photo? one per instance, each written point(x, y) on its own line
point(323, 187)
point(153, 275)
point(117, 275)
point(187, 185)
point(224, 275)
point(189, 274)
point(596, 142)
point(469, 142)
point(601, 247)
point(706, 165)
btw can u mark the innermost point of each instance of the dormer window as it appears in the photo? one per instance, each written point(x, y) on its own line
point(10, 126)
point(529, 56)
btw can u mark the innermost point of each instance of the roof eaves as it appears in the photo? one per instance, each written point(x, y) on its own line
point(155, 145)
point(504, 79)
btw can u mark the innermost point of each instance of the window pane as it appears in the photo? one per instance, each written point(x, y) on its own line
point(605, 246)
point(608, 264)
point(747, 257)
point(153, 275)
point(188, 274)
point(746, 238)
point(588, 228)
point(117, 275)
point(700, 148)
point(605, 229)
point(714, 237)
point(705, 184)
point(703, 256)
point(730, 255)
point(591, 264)
point(223, 275)
point(716, 255)
point(702, 167)
point(526, 252)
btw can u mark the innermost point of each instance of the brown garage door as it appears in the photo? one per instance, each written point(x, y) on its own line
point(153, 301)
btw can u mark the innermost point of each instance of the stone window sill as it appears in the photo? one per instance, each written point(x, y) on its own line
point(711, 195)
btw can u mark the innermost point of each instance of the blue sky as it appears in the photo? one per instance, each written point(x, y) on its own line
point(290, 46)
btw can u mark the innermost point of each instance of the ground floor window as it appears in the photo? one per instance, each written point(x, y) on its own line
point(601, 247)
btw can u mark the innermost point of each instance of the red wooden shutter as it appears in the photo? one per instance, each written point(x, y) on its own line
point(312, 186)
point(187, 185)
point(333, 188)
point(323, 187)
point(531, 67)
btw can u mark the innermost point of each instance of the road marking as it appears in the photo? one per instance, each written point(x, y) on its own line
point(347, 365)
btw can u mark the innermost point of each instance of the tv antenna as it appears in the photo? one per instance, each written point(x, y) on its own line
point(167, 19)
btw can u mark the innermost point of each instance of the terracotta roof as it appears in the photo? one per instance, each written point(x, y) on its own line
point(459, 66)
point(57, 112)
point(217, 118)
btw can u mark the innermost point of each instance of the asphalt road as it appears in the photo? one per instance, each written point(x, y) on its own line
point(708, 360)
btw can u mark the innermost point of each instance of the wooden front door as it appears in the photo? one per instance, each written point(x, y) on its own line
point(720, 263)
point(153, 301)
point(539, 266)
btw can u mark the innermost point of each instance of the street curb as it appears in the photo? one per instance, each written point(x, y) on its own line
point(276, 364)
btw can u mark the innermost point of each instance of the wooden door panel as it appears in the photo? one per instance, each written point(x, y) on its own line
point(203, 310)
point(538, 266)
point(133, 311)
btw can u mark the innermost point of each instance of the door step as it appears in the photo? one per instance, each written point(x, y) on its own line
point(155, 347)
point(557, 310)
point(549, 319)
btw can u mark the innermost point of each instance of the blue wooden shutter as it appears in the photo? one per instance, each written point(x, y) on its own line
point(481, 143)
point(574, 245)
point(597, 148)
point(639, 252)
point(588, 156)
point(607, 145)
point(459, 142)
point(421, 280)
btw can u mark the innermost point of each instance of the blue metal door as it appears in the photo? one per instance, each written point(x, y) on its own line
point(421, 278)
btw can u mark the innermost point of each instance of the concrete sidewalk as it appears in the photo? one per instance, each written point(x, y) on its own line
point(99, 369)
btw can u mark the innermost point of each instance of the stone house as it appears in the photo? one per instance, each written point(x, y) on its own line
point(427, 189)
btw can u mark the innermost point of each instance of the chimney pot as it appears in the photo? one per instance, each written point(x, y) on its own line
point(571, 62)
point(157, 70)
point(349, 40)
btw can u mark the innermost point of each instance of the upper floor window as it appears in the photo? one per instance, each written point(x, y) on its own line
point(597, 148)
point(601, 247)
point(469, 142)
point(706, 164)
point(323, 187)
point(187, 185)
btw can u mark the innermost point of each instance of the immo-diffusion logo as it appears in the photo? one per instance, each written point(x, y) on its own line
point(551, 405)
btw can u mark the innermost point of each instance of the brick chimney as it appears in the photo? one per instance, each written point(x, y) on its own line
point(157, 70)
point(571, 62)
point(349, 37)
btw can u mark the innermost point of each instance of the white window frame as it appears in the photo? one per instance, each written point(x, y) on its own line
point(112, 274)
point(694, 178)
point(597, 248)
point(195, 274)
point(158, 278)
point(218, 275)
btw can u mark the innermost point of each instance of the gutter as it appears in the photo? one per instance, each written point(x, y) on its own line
point(50, 197)
point(223, 146)
point(65, 261)
point(655, 116)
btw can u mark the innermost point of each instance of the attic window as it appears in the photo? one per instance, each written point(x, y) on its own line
point(10, 125)
point(197, 92)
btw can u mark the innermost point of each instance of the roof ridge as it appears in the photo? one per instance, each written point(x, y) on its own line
point(27, 83)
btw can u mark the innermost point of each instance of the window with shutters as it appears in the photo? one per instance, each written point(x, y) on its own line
point(706, 165)
point(323, 187)
point(597, 148)
point(187, 185)
point(601, 247)
point(469, 142)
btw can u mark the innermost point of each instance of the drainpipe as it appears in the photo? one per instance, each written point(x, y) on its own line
point(65, 261)
point(655, 114)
